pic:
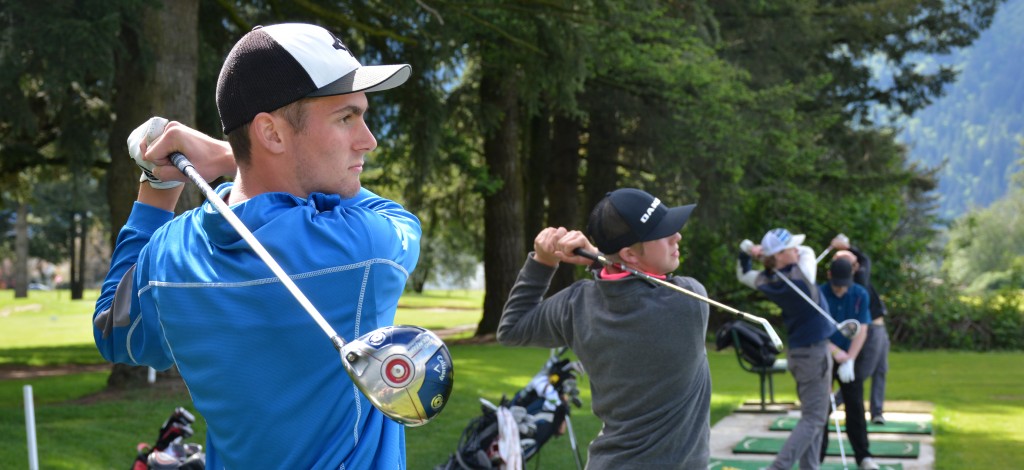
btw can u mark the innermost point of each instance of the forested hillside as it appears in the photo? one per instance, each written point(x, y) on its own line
point(978, 125)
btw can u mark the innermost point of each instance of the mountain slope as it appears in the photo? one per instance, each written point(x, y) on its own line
point(977, 127)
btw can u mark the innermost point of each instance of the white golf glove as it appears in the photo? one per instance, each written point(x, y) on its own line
point(747, 247)
point(845, 372)
point(149, 131)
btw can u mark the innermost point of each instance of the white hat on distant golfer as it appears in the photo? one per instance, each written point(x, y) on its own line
point(276, 65)
point(778, 239)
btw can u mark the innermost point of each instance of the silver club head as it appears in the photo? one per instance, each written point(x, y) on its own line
point(848, 328)
point(405, 371)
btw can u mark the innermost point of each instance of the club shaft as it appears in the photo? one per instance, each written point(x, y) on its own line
point(839, 431)
point(190, 171)
point(812, 303)
point(822, 255)
point(746, 316)
point(572, 439)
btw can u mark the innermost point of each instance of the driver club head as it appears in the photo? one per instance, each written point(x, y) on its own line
point(405, 371)
point(848, 328)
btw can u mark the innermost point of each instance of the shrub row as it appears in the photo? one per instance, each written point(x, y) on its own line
point(937, 316)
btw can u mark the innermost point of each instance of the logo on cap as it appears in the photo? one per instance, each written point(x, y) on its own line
point(650, 210)
point(340, 45)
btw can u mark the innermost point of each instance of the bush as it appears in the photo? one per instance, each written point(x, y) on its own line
point(938, 316)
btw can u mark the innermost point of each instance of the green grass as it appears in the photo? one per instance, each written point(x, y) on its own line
point(45, 318)
point(978, 397)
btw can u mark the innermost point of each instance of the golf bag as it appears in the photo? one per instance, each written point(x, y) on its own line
point(540, 411)
point(170, 452)
point(755, 345)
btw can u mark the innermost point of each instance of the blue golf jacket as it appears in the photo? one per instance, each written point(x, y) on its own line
point(189, 292)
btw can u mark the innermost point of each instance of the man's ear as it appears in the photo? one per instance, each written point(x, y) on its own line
point(628, 255)
point(265, 131)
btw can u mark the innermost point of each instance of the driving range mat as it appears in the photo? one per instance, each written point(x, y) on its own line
point(733, 464)
point(787, 423)
point(772, 445)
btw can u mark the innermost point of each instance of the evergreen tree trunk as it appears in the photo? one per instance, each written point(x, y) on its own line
point(83, 240)
point(538, 161)
point(602, 150)
point(563, 189)
point(77, 254)
point(503, 209)
point(72, 259)
point(167, 87)
point(21, 252)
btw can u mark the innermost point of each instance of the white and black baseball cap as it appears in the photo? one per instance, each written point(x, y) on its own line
point(272, 66)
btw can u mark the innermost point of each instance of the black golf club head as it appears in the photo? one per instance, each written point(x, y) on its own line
point(405, 371)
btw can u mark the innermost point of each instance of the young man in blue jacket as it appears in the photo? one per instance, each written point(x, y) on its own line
point(188, 291)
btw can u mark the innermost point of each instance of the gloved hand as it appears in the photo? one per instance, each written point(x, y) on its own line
point(149, 131)
point(747, 246)
point(845, 371)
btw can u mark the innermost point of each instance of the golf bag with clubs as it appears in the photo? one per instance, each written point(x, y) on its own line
point(755, 345)
point(170, 452)
point(540, 411)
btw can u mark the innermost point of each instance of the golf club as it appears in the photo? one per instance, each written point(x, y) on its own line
point(848, 328)
point(840, 236)
point(839, 431)
point(405, 371)
point(776, 341)
point(555, 352)
point(822, 255)
point(572, 442)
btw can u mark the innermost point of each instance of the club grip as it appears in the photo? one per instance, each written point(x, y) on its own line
point(585, 254)
point(179, 160)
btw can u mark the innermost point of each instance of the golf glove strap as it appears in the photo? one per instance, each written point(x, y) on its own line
point(845, 372)
point(149, 130)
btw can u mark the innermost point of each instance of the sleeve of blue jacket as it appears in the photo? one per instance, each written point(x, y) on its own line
point(118, 311)
point(406, 225)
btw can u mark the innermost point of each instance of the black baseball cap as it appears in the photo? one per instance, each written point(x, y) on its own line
point(840, 273)
point(276, 65)
point(628, 215)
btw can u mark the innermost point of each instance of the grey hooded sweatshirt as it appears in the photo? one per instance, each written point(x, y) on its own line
point(643, 347)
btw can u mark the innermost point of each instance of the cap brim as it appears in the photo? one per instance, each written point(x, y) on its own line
point(672, 222)
point(841, 282)
point(366, 79)
point(796, 241)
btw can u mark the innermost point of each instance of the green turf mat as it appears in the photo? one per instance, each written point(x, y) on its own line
point(727, 464)
point(771, 445)
point(787, 423)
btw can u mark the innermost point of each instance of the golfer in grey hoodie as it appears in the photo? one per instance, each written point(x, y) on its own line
point(642, 346)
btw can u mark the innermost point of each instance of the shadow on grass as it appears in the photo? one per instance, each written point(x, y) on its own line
point(50, 356)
